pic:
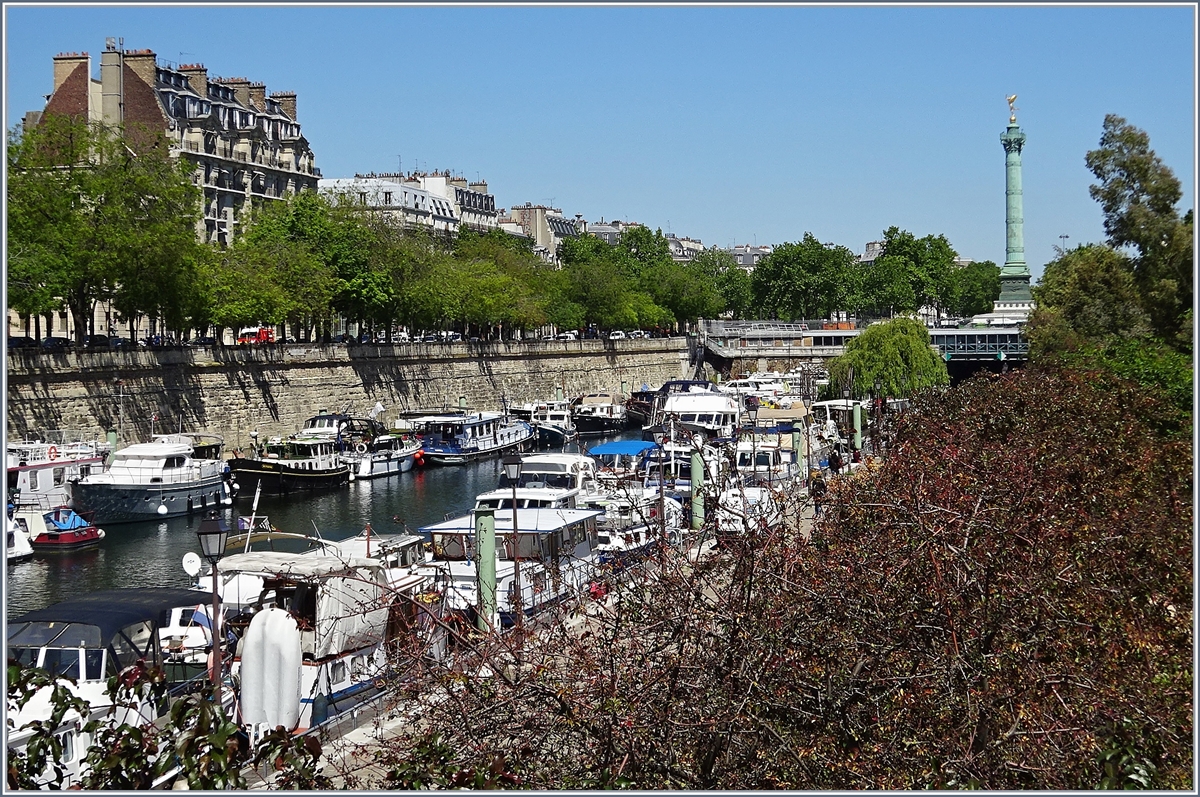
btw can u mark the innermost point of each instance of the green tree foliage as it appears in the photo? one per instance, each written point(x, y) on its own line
point(975, 289)
point(928, 264)
point(1090, 292)
point(897, 353)
point(886, 287)
point(1138, 195)
point(731, 280)
point(98, 213)
point(807, 279)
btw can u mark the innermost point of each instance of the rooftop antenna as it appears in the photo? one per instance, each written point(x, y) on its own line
point(399, 165)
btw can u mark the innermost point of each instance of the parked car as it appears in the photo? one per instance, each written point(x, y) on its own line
point(616, 334)
point(569, 335)
point(203, 340)
point(637, 334)
point(21, 342)
point(57, 344)
point(95, 341)
point(429, 337)
point(120, 343)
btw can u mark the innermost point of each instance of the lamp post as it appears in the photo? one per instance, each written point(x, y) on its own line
point(213, 534)
point(512, 469)
point(1063, 246)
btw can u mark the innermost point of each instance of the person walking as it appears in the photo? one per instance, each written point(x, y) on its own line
point(816, 491)
point(835, 462)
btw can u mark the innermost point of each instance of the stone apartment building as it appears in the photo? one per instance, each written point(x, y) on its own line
point(545, 226)
point(437, 201)
point(747, 256)
point(684, 250)
point(245, 145)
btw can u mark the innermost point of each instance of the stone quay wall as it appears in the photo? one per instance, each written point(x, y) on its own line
point(272, 389)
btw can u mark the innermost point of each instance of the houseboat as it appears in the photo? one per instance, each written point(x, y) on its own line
point(456, 439)
point(600, 415)
point(546, 480)
point(556, 549)
point(365, 444)
point(292, 465)
point(553, 422)
point(84, 642)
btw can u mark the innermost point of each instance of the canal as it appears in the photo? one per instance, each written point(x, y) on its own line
point(150, 554)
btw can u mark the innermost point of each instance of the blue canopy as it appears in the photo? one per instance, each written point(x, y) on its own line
point(631, 448)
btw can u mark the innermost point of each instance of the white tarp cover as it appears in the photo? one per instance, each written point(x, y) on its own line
point(270, 670)
point(352, 612)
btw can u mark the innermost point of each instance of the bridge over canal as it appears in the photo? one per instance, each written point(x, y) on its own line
point(736, 347)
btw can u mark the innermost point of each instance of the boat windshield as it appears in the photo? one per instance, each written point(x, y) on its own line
point(536, 480)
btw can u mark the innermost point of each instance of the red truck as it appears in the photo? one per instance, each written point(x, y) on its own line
point(254, 335)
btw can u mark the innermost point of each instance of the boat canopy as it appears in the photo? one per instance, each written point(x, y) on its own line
point(630, 448)
point(539, 520)
point(109, 611)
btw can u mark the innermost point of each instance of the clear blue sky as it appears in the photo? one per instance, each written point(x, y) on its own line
point(729, 124)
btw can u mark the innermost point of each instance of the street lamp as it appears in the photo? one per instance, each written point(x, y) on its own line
point(512, 469)
point(213, 534)
point(1063, 247)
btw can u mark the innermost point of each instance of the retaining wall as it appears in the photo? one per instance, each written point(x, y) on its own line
point(232, 390)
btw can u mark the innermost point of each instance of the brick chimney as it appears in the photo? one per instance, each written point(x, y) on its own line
point(480, 186)
point(258, 96)
point(142, 64)
point(197, 76)
point(65, 64)
point(287, 101)
point(241, 89)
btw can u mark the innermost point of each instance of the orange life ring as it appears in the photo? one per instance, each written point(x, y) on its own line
point(52, 453)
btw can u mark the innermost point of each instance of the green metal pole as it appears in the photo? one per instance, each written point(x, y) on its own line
point(858, 425)
point(485, 565)
point(800, 451)
point(697, 490)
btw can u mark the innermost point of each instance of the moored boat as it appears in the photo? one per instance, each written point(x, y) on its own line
point(365, 444)
point(292, 465)
point(40, 472)
point(600, 414)
point(553, 422)
point(454, 439)
point(83, 642)
point(556, 549)
point(17, 547)
point(174, 474)
point(57, 529)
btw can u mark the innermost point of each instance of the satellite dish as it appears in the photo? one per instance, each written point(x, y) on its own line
point(191, 563)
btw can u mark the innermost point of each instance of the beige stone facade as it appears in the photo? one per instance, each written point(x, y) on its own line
point(244, 143)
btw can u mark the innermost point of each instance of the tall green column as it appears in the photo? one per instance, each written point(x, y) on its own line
point(1014, 274)
point(485, 566)
point(697, 490)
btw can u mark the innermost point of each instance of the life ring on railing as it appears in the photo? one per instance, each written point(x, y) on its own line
point(52, 452)
point(361, 448)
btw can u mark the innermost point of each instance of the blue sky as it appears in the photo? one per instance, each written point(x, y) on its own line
point(728, 124)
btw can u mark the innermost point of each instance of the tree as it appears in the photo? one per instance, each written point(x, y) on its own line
point(895, 353)
point(1138, 195)
point(1092, 289)
point(976, 288)
point(731, 280)
point(96, 212)
point(929, 265)
point(807, 279)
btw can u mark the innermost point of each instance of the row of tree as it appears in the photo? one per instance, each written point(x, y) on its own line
point(101, 215)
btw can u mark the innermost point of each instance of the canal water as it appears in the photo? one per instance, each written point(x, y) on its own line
point(150, 554)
